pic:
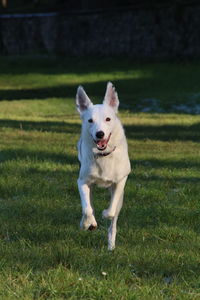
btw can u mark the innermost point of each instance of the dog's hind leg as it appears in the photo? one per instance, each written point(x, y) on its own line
point(112, 213)
point(88, 221)
point(112, 230)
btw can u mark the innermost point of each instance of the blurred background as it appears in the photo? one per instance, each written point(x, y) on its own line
point(140, 29)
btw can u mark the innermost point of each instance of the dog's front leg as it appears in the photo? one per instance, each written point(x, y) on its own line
point(117, 190)
point(88, 220)
point(117, 193)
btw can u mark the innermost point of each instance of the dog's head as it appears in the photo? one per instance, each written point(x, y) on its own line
point(99, 120)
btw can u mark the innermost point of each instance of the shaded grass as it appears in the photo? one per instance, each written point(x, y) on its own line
point(42, 78)
point(43, 254)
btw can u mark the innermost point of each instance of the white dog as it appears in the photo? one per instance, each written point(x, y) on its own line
point(103, 154)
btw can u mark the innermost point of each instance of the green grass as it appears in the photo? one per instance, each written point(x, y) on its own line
point(43, 254)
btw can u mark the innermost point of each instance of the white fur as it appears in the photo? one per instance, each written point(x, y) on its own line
point(107, 171)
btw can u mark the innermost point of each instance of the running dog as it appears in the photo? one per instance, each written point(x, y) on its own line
point(103, 154)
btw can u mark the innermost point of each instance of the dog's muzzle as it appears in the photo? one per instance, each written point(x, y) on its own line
point(102, 143)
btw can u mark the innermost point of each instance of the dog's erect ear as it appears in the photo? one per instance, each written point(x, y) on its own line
point(111, 97)
point(82, 100)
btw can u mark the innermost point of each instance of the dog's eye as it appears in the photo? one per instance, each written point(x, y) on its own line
point(90, 120)
point(107, 119)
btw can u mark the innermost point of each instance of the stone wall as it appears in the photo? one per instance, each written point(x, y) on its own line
point(162, 32)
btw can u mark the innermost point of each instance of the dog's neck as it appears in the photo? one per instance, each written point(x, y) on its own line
point(105, 153)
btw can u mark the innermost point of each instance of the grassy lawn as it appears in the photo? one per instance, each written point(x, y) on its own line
point(43, 254)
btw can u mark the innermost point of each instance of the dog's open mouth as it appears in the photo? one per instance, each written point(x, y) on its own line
point(102, 144)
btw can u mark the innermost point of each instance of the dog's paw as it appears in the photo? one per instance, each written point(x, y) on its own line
point(88, 223)
point(107, 214)
point(92, 228)
point(111, 246)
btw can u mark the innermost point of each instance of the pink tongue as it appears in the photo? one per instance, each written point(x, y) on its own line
point(101, 143)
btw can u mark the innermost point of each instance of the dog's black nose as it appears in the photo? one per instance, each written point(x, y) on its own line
point(100, 134)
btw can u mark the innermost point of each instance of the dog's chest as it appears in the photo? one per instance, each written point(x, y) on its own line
point(103, 172)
